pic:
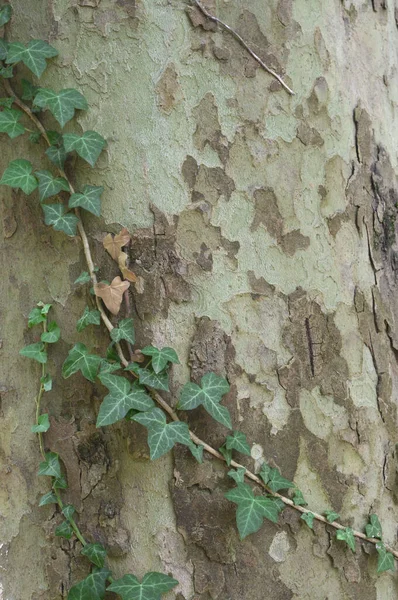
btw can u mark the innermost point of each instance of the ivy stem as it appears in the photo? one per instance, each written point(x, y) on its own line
point(71, 520)
point(157, 397)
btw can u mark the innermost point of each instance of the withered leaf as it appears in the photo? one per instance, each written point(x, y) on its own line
point(127, 274)
point(112, 295)
point(114, 244)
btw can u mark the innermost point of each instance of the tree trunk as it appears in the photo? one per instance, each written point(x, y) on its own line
point(264, 241)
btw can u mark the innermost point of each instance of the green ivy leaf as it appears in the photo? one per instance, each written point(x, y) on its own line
point(331, 516)
point(34, 137)
point(237, 475)
point(45, 308)
point(49, 498)
point(43, 424)
point(122, 397)
point(35, 317)
point(7, 72)
point(68, 511)
point(91, 588)
point(160, 358)
point(227, 454)
point(89, 199)
point(124, 331)
point(61, 104)
point(252, 509)
point(109, 367)
point(298, 498)
point(3, 51)
point(209, 395)
point(46, 382)
point(18, 174)
point(89, 145)
point(157, 381)
point(373, 529)
point(162, 435)
point(55, 215)
point(36, 352)
point(89, 317)
point(57, 155)
point(237, 441)
point(50, 466)
point(96, 553)
point(33, 55)
point(64, 530)
point(153, 586)
point(276, 482)
point(79, 359)
point(9, 122)
point(197, 452)
point(52, 334)
point(83, 278)
point(265, 472)
point(50, 185)
point(385, 561)
point(309, 519)
point(5, 14)
point(6, 102)
point(28, 90)
point(60, 483)
point(347, 535)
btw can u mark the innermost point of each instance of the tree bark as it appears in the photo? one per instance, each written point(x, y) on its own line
point(264, 240)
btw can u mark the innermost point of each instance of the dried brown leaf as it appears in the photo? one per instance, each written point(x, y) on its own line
point(114, 244)
point(112, 295)
point(127, 274)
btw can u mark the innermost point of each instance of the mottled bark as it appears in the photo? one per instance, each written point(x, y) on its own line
point(264, 238)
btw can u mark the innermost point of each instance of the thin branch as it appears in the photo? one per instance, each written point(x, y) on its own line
point(236, 35)
point(155, 395)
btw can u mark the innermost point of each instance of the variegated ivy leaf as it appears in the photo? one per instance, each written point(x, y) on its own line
point(57, 155)
point(157, 381)
point(61, 104)
point(209, 395)
point(89, 145)
point(237, 441)
point(122, 397)
point(152, 587)
point(91, 588)
point(373, 529)
point(298, 498)
point(43, 424)
point(162, 435)
point(89, 317)
point(36, 352)
point(52, 334)
point(5, 14)
point(309, 519)
point(331, 516)
point(33, 55)
point(55, 215)
point(49, 498)
point(347, 536)
point(18, 174)
point(124, 331)
point(160, 358)
point(50, 466)
point(273, 479)
point(64, 530)
point(89, 199)
point(50, 185)
point(385, 561)
point(252, 509)
point(238, 475)
point(9, 122)
point(96, 553)
point(79, 359)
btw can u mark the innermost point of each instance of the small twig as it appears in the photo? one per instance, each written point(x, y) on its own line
point(236, 35)
point(156, 396)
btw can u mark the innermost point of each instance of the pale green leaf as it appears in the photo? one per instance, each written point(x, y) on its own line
point(62, 104)
point(162, 435)
point(46, 382)
point(52, 334)
point(35, 351)
point(385, 561)
point(298, 498)
point(79, 359)
point(55, 215)
point(89, 145)
point(83, 278)
point(57, 155)
point(49, 498)
point(89, 317)
point(43, 424)
point(124, 331)
point(237, 441)
point(9, 122)
point(96, 553)
point(5, 14)
point(227, 454)
point(33, 55)
point(160, 358)
point(209, 395)
point(50, 185)
point(91, 588)
point(331, 516)
point(50, 466)
point(197, 451)
point(152, 587)
point(238, 475)
point(309, 519)
point(18, 174)
point(157, 381)
point(252, 509)
point(122, 397)
point(347, 535)
point(276, 482)
point(373, 529)
point(64, 530)
point(36, 316)
point(68, 511)
point(89, 199)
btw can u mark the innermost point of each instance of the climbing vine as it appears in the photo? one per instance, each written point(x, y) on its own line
point(134, 393)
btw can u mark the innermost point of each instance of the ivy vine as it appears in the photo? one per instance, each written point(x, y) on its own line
point(133, 393)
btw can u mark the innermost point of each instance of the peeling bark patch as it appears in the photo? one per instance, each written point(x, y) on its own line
point(267, 212)
point(168, 89)
point(293, 241)
point(309, 136)
point(208, 129)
